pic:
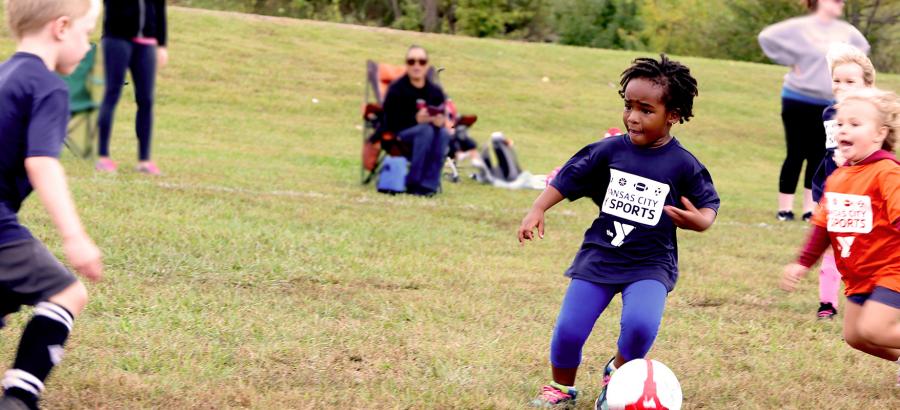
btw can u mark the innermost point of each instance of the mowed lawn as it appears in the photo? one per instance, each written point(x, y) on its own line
point(258, 273)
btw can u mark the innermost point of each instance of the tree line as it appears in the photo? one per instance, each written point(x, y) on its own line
point(724, 29)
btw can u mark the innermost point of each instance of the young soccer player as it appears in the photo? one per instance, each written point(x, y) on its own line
point(850, 70)
point(860, 217)
point(51, 35)
point(646, 185)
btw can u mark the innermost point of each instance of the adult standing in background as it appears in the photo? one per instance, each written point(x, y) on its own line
point(801, 44)
point(134, 38)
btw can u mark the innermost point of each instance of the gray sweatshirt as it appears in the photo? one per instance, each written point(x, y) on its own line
point(801, 43)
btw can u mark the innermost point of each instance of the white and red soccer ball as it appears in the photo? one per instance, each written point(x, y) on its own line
point(643, 384)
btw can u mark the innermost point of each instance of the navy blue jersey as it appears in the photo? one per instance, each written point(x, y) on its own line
point(633, 239)
point(827, 166)
point(34, 114)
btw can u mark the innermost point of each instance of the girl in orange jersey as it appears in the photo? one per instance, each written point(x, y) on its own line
point(860, 217)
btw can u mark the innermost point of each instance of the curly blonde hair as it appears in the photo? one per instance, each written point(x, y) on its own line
point(28, 16)
point(887, 104)
point(842, 53)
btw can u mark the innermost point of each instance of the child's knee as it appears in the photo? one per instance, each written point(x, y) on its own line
point(74, 298)
point(637, 338)
point(854, 337)
point(569, 334)
point(870, 332)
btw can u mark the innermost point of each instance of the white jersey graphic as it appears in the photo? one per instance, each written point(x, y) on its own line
point(831, 130)
point(845, 242)
point(849, 213)
point(634, 198)
point(622, 230)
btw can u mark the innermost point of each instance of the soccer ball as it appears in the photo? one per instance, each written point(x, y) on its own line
point(643, 384)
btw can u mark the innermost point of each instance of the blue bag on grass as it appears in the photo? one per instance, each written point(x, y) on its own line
point(392, 178)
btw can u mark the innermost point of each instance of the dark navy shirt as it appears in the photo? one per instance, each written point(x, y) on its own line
point(633, 239)
point(827, 166)
point(400, 103)
point(34, 114)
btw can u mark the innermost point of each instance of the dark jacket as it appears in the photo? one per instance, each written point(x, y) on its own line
point(128, 19)
point(400, 103)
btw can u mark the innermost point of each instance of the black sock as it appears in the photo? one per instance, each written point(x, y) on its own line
point(40, 349)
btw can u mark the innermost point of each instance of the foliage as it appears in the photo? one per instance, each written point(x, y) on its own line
point(258, 274)
point(718, 29)
point(599, 23)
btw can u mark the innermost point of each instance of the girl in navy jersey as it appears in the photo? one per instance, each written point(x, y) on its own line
point(646, 184)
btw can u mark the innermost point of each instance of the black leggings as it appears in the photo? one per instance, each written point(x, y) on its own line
point(804, 133)
point(120, 55)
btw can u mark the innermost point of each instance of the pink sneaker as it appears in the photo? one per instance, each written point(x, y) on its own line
point(106, 165)
point(148, 168)
point(552, 397)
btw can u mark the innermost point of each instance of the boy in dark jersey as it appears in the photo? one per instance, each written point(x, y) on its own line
point(34, 113)
point(646, 185)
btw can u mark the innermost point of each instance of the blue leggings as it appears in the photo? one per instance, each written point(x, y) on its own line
point(643, 303)
point(120, 55)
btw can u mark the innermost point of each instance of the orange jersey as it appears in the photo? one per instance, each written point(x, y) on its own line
point(860, 210)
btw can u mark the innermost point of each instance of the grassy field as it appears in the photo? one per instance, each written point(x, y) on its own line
point(258, 273)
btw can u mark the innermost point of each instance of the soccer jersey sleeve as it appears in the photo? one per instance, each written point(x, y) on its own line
point(702, 192)
point(890, 192)
point(48, 125)
point(580, 176)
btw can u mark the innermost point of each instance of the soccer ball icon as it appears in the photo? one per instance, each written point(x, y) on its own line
point(644, 384)
point(622, 182)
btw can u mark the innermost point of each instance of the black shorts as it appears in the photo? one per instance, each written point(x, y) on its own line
point(880, 294)
point(29, 274)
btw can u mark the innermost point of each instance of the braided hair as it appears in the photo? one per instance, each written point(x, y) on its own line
point(679, 87)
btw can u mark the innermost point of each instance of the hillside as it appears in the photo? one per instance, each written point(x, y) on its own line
point(258, 273)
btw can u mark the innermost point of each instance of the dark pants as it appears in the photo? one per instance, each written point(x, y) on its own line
point(120, 55)
point(429, 149)
point(804, 133)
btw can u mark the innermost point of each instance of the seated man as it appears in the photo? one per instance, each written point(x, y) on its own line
point(414, 112)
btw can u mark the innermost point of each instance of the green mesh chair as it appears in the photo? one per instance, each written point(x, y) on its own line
point(82, 106)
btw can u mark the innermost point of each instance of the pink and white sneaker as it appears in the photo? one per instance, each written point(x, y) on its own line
point(106, 165)
point(148, 168)
point(551, 397)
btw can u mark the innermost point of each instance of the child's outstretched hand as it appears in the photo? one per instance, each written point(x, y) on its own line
point(690, 217)
point(534, 219)
point(791, 277)
point(84, 256)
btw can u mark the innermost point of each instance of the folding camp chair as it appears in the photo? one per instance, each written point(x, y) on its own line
point(82, 105)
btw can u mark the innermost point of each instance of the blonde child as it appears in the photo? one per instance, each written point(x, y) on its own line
point(860, 217)
point(52, 35)
point(850, 70)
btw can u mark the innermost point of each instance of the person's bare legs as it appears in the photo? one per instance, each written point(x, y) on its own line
point(879, 324)
point(785, 202)
point(857, 339)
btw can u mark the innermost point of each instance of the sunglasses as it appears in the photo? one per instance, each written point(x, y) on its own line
point(412, 61)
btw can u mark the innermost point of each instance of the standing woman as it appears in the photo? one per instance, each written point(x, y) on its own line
point(801, 44)
point(134, 38)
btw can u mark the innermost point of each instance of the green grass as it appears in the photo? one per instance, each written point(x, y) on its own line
point(259, 274)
